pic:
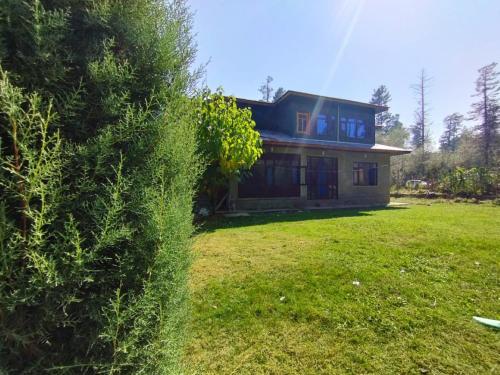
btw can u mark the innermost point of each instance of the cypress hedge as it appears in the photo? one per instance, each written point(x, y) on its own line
point(98, 166)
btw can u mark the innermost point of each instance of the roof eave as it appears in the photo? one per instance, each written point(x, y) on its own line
point(334, 147)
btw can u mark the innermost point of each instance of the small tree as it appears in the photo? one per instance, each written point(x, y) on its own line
point(227, 140)
point(266, 90)
point(451, 135)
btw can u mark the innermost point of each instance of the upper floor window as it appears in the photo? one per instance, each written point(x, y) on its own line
point(302, 122)
point(364, 174)
point(353, 128)
point(321, 125)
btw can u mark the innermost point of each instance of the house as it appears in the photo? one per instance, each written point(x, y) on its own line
point(318, 152)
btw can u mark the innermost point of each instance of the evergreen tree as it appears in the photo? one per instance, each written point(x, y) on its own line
point(381, 97)
point(266, 90)
point(486, 111)
point(420, 129)
point(278, 94)
point(98, 157)
point(395, 133)
point(451, 135)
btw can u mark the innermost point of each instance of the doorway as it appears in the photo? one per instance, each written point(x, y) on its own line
point(321, 178)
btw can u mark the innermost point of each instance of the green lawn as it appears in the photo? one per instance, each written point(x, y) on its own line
point(274, 293)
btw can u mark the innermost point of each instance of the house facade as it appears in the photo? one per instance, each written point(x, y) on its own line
point(318, 152)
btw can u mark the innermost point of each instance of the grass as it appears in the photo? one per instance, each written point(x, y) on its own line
point(274, 293)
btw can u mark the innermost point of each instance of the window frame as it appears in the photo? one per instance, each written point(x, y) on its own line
point(367, 177)
point(307, 120)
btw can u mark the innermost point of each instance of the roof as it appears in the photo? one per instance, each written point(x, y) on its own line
point(281, 139)
point(289, 93)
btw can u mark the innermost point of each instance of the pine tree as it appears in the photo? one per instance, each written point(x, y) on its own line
point(278, 94)
point(451, 135)
point(381, 97)
point(420, 130)
point(486, 111)
point(266, 90)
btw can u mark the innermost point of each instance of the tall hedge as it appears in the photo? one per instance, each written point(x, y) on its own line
point(98, 163)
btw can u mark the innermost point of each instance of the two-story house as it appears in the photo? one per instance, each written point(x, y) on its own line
point(318, 152)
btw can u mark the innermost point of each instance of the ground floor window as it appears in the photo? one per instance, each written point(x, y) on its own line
point(364, 174)
point(274, 175)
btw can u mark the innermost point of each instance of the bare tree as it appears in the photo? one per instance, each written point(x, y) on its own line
point(266, 90)
point(487, 110)
point(420, 129)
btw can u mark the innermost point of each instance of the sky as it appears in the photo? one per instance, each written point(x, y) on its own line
point(347, 48)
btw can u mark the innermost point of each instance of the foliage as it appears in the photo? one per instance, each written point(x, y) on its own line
point(381, 96)
point(451, 135)
point(226, 139)
point(473, 181)
point(277, 292)
point(393, 133)
point(98, 154)
point(278, 94)
point(486, 111)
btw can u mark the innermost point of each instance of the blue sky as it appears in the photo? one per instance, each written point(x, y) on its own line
point(346, 48)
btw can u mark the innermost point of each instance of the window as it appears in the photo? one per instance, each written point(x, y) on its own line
point(360, 129)
point(321, 125)
point(353, 128)
point(302, 122)
point(364, 174)
point(274, 175)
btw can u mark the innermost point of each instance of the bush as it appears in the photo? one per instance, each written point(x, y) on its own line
point(468, 182)
point(98, 154)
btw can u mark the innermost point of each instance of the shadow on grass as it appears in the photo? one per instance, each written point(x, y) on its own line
point(221, 222)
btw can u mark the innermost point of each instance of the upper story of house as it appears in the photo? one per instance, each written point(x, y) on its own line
point(314, 117)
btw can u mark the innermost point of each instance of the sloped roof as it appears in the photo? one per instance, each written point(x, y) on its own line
point(281, 139)
point(291, 93)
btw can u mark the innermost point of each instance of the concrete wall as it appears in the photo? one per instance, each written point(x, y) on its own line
point(348, 194)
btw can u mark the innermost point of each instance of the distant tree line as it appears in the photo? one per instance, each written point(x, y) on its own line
point(461, 148)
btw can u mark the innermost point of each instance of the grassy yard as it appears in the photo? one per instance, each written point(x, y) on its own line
point(277, 293)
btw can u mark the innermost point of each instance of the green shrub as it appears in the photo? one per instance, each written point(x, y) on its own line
point(467, 182)
point(98, 154)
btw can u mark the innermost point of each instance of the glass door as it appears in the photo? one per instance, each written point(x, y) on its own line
point(321, 178)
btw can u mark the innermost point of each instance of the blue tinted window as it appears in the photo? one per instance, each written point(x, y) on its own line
point(361, 130)
point(351, 128)
point(321, 125)
point(343, 122)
